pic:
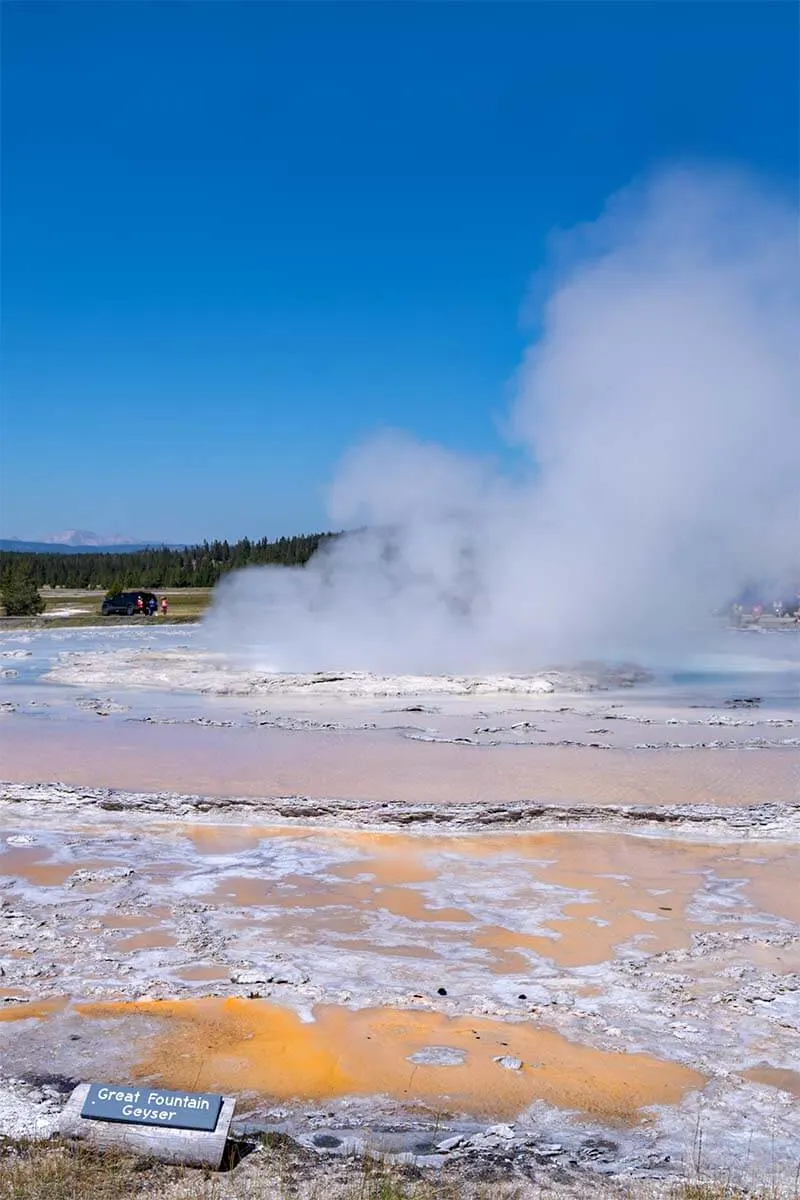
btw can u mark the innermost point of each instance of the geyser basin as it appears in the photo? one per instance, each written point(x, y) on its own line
point(268, 1050)
point(614, 942)
point(379, 766)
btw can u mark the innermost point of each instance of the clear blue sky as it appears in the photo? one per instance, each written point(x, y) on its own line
point(238, 237)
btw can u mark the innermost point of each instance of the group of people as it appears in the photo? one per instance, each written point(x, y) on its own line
point(778, 608)
point(149, 608)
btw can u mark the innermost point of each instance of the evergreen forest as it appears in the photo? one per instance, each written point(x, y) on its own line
point(160, 567)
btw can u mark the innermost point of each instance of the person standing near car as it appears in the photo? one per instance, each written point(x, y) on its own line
point(140, 604)
point(164, 606)
point(152, 604)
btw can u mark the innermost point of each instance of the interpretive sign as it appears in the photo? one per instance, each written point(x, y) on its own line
point(161, 1122)
point(152, 1106)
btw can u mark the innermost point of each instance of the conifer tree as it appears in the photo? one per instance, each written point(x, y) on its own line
point(20, 595)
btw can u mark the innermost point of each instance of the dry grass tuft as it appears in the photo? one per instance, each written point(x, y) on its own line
point(277, 1169)
point(62, 1171)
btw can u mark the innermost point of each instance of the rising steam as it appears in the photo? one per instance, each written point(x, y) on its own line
point(660, 411)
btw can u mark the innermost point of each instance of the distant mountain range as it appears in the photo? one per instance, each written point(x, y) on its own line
point(79, 541)
point(85, 537)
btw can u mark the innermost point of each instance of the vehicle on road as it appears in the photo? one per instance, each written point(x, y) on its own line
point(128, 604)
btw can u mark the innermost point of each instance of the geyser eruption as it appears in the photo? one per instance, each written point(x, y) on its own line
point(659, 407)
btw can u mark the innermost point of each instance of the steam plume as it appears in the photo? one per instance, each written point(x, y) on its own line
point(659, 408)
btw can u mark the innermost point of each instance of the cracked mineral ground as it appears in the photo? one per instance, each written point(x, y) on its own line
point(556, 911)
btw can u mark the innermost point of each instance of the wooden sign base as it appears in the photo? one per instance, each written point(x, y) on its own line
point(190, 1146)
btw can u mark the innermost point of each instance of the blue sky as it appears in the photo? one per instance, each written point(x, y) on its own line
point(239, 237)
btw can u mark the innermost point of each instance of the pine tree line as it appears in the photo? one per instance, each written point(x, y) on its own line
point(161, 567)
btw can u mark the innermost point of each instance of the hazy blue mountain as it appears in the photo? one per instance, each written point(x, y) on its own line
point(85, 537)
point(51, 547)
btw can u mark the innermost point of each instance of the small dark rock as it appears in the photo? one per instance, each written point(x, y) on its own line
point(599, 1148)
point(63, 1084)
point(441, 991)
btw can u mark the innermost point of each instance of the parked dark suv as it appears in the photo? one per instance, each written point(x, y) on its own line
point(126, 603)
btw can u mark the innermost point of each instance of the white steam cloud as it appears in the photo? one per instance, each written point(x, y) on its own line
point(659, 407)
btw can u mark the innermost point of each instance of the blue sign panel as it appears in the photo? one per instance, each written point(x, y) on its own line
point(158, 1106)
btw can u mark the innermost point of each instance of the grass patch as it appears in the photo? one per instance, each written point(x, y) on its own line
point(186, 605)
point(63, 1171)
point(58, 1170)
point(276, 1168)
